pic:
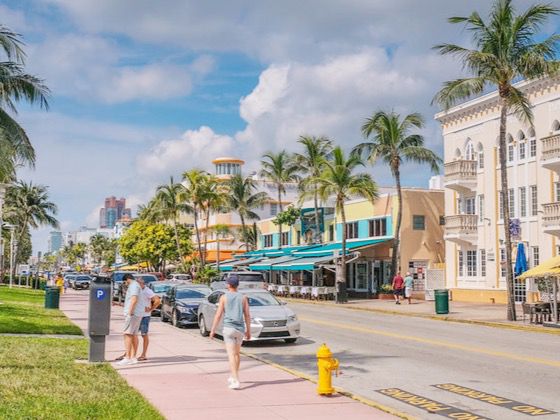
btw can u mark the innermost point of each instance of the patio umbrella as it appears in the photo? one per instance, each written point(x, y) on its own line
point(521, 260)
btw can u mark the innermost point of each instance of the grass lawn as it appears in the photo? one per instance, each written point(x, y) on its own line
point(40, 379)
point(22, 312)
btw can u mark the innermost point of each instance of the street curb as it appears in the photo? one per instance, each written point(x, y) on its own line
point(340, 391)
point(493, 324)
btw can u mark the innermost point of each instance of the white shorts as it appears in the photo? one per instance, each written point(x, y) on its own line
point(407, 292)
point(232, 336)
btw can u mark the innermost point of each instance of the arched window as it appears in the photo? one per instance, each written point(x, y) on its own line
point(556, 125)
point(457, 154)
point(510, 148)
point(480, 156)
point(520, 135)
point(532, 142)
point(522, 153)
point(469, 150)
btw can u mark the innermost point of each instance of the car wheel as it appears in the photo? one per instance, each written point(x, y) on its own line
point(163, 317)
point(202, 327)
point(174, 320)
point(290, 340)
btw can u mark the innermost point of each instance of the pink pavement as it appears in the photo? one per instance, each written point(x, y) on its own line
point(186, 377)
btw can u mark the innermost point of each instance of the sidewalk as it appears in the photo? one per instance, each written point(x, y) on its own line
point(465, 312)
point(186, 377)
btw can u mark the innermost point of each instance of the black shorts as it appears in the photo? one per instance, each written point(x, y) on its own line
point(398, 292)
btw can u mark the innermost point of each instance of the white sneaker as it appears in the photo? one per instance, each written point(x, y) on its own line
point(123, 362)
point(234, 384)
point(133, 361)
point(230, 380)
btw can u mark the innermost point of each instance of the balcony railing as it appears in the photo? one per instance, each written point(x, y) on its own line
point(551, 147)
point(551, 214)
point(461, 224)
point(460, 170)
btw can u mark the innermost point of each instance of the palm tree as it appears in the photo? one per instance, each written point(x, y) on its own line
point(194, 195)
point(339, 180)
point(507, 47)
point(310, 163)
point(169, 203)
point(390, 139)
point(16, 85)
point(243, 199)
point(221, 231)
point(280, 169)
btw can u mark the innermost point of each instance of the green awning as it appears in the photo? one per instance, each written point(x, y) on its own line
point(268, 264)
point(298, 264)
point(240, 263)
point(275, 252)
point(330, 249)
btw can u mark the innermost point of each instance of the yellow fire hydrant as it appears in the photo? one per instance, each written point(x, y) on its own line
point(325, 364)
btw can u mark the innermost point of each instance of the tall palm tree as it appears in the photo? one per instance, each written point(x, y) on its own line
point(169, 203)
point(390, 139)
point(194, 195)
point(280, 169)
point(506, 47)
point(15, 86)
point(310, 163)
point(221, 231)
point(214, 200)
point(243, 199)
point(339, 180)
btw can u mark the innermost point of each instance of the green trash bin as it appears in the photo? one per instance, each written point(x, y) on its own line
point(52, 297)
point(442, 301)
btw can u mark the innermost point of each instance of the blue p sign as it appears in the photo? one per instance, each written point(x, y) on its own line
point(100, 294)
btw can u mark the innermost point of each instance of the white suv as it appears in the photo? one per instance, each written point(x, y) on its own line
point(247, 279)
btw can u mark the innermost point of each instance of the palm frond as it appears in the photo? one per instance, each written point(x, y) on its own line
point(459, 89)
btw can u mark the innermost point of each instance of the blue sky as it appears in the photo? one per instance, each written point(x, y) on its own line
point(142, 90)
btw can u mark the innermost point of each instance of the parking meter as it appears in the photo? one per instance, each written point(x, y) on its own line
point(100, 296)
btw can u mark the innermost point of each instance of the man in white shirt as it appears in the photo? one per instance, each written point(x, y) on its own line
point(133, 312)
point(149, 301)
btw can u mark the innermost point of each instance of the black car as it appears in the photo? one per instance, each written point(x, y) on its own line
point(180, 304)
point(81, 282)
point(160, 288)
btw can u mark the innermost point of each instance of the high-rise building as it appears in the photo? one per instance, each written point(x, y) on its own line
point(55, 241)
point(114, 210)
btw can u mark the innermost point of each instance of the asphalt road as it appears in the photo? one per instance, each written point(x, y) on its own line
point(519, 370)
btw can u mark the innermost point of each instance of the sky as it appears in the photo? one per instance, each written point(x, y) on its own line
point(143, 90)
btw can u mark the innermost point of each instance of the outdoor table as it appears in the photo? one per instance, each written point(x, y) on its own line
point(305, 291)
point(317, 292)
point(272, 288)
point(540, 310)
point(294, 290)
point(282, 290)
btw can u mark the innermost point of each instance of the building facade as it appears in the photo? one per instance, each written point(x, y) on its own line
point(113, 211)
point(56, 241)
point(474, 228)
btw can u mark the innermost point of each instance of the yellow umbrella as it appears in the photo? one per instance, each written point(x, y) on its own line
point(549, 268)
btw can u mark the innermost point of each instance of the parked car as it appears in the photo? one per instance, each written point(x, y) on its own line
point(180, 276)
point(148, 278)
point(158, 275)
point(270, 318)
point(70, 279)
point(247, 279)
point(180, 304)
point(160, 288)
point(218, 285)
point(117, 280)
point(81, 282)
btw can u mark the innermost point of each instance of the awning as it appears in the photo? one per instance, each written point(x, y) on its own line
point(330, 249)
point(549, 268)
point(275, 252)
point(270, 263)
point(239, 263)
point(299, 264)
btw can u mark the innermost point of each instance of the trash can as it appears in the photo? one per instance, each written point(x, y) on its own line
point(442, 301)
point(52, 297)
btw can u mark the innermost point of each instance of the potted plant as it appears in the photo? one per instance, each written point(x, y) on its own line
point(386, 291)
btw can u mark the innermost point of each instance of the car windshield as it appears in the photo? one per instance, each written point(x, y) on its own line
point(249, 277)
point(197, 293)
point(262, 299)
point(147, 279)
point(161, 288)
point(82, 278)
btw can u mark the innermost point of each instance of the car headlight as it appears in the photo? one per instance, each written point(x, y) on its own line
point(255, 321)
point(292, 318)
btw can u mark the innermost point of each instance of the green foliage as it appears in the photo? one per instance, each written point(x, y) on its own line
point(154, 243)
point(386, 289)
point(287, 217)
point(206, 274)
point(103, 249)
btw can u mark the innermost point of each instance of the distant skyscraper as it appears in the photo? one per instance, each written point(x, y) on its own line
point(55, 241)
point(114, 210)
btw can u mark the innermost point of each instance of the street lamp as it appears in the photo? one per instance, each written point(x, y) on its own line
point(12, 228)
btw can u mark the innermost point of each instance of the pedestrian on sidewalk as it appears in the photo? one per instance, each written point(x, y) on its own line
point(133, 313)
point(234, 307)
point(408, 283)
point(398, 285)
point(149, 301)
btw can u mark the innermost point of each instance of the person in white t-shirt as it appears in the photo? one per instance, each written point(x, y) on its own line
point(149, 301)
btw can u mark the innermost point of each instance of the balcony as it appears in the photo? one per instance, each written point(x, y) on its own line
point(461, 228)
point(460, 175)
point(550, 157)
point(551, 218)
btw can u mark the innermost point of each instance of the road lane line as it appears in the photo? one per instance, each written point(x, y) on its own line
point(437, 343)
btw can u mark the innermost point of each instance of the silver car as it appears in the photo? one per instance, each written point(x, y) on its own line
point(270, 318)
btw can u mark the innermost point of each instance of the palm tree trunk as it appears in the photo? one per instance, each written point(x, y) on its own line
point(397, 240)
point(198, 242)
point(244, 232)
point(511, 316)
point(206, 235)
point(341, 295)
point(179, 251)
point(280, 211)
point(318, 237)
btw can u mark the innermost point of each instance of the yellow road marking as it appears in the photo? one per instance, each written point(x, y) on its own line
point(437, 343)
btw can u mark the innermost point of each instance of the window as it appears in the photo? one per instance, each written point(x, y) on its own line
point(502, 262)
point(377, 227)
point(273, 209)
point(331, 233)
point(481, 160)
point(522, 150)
point(284, 239)
point(511, 200)
point(557, 190)
point(533, 147)
point(482, 263)
point(442, 220)
point(481, 207)
point(523, 201)
point(511, 153)
point(469, 205)
point(501, 204)
point(471, 263)
point(461, 263)
point(267, 241)
point(418, 222)
point(534, 200)
point(535, 255)
point(351, 230)
point(298, 237)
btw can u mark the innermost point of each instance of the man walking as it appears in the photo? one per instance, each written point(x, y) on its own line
point(234, 307)
point(133, 312)
point(398, 284)
point(149, 301)
point(408, 283)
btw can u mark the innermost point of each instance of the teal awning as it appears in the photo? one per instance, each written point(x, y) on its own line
point(269, 263)
point(275, 252)
point(298, 264)
point(239, 263)
point(330, 249)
